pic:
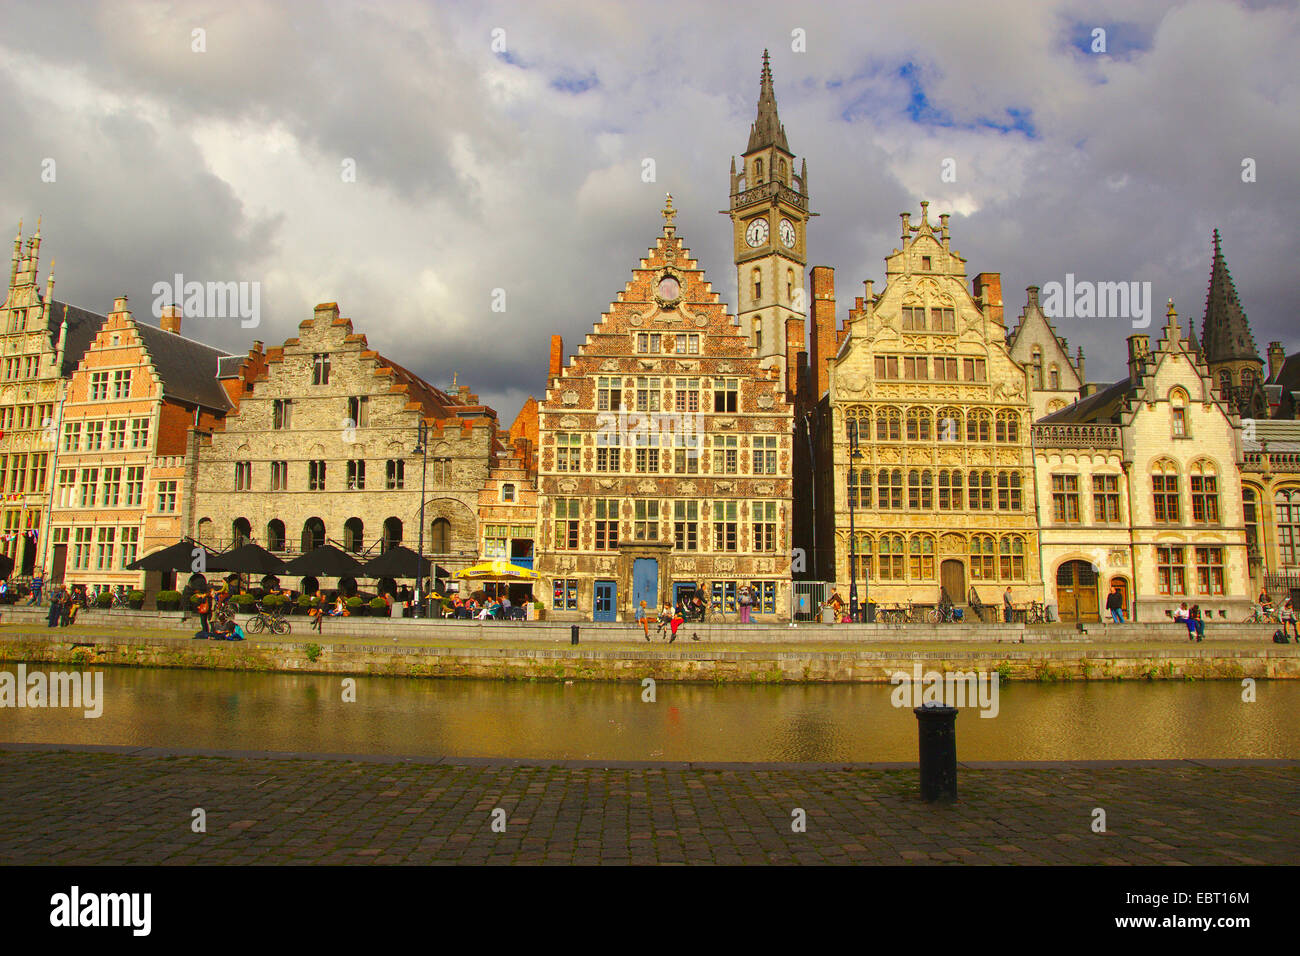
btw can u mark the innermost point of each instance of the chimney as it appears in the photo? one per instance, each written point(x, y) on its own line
point(1139, 351)
point(794, 345)
point(1276, 359)
point(823, 329)
point(557, 356)
point(170, 319)
point(992, 282)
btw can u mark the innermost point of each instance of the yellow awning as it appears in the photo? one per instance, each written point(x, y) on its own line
point(498, 571)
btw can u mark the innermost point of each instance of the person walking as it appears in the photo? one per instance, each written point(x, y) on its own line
point(38, 583)
point(56, 607)
point(1115, 604)
point(1289, 617)
point(643, 616)
point(745, 598)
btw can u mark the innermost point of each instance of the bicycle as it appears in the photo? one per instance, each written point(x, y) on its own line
point(943, 614)
point(273, 621)
point(1262, 615)
point(119, 598)
point(899, 614)
point(1035, 613)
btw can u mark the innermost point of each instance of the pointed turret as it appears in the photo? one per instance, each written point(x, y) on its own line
point(1225, 331)
point(767, 129)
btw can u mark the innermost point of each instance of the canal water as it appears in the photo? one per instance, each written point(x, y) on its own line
point(607, 721)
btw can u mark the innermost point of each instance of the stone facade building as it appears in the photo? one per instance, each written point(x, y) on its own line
point(664, 454)
point(1055, 379)
point(923, 387)
point(324, 448)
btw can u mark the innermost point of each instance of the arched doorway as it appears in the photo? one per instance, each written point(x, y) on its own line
point(1121, 584)
point(275, 535)
point(241, 532)
point(1076, 592)
point(952, 579)
point(353, 534)
point(392, 532)
point(440, 536)
point(313, 534)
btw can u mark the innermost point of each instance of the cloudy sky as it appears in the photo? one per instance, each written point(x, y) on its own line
point(519, 167)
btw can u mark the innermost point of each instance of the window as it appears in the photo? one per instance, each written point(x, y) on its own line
point(608, 450)
point(1250, 516)
point(1009, 498)
point(1036, 366)
point(243, 476)
point(764, 596)
point(648, 343)
point(395, 474)
point(609, 392)
point(647, 453)
point(1008, 427)
point(943, 320)
point(1205, 494)
point(647, 394)
point(94, 436)
point(316, 476)
point(1011, 558)
point(281, 414)
point(724, 595)
point(1225, 383)
point(726, 455)
point(139, 433)
point(978, 426)
point(688, 343)
point(606, 524)
point(32, 367)
point(358, 411)
point(320, 368)
point(275, 535)
point(82, 539)
point(565, 597)
point(948, 425)
point(356, 474)
point(26, 416)
point(889, 489)
point(686, 527)
point(921, 557)
point(975, 370)
point(859, 487)
point(122, 384)
point(763, 519)
point(496, 541)
point(90, 487)
point(758, 334)
point(279, 475)
point(979, 490)
point(755, 275)
point(888, 424)
point(1105, 499)
point(916, 367)
point(920, 489)
point(566, 524)
point(913, 318)
point(724, 525)
point(1065, 499)
point(981, 557)
point(945, 369)
point(134, 492)
point(1286, 513)
point(726, 394)
point(112, 487)
point(918, 424)
point(951, 494)
point(508, 493)
point(129, 539)
point(568, 451)
point(1164, 488)
point(887, 366)
point(99, 386)
point(440, 536)
point(1171, 576)
point(18, 474)
point(167, 496)
point(764, 455)
point(1209, 571)
point(67, 488)
point(645, 520)
point(686, 456)
point(686, 395)
point(891, 557)
point(1179, 421)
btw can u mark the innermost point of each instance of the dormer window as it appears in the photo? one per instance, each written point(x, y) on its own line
point(1178, 410)
point(758, 170)
point(508, 493)
point(1036, 362)
point(1054, 378)
point(925, 263)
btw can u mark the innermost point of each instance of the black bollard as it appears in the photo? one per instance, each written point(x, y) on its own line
point(937, 729)
point(573, 634)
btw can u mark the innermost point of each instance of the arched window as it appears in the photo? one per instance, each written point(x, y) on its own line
point(440, 536)
point(979, 426)
point(1250, 513)
point(758, 333)
point(918, 424)
point(1286, 516)
point(313, 534)
point(1053, 377)
point(508, 493)
point(889, 488)
point(921, 552)
point(859, 487)
point(1036, 366)
point(205, 531)
point(757, 276)
point(782, 168)
point(1009, 498)
point(1225, 383)
point(758, 171)
point(353, 534)
point(949, 424)
point(1164, 490)
point(866, 562)
point(392, 533)
point(888, 424)
point(950, 490)
point(1178, 414)
point(980, 490)
point(1203, 482)
point(891, 557)
point(275, 535)
point(240, 532)
point(857, 426)
point(1011, 557)
point(981, 557)
point(920, 489)
point(1008, 426)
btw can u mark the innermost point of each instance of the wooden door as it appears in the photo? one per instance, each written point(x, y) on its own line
point(1076, 592)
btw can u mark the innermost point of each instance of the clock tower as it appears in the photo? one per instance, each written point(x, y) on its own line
point(769, 218)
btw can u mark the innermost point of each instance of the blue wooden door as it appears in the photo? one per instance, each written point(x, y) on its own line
point(605, 603)
point(645, 584)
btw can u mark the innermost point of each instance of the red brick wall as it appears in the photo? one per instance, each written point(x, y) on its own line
point(823, 331)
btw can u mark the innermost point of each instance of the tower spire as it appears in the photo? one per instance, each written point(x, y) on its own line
point(767, 129)
point(1225, 330)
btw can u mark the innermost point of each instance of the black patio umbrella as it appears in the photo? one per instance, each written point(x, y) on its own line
point(397, 562)
point(247, 559)
point(179, 557)
point(326, 561)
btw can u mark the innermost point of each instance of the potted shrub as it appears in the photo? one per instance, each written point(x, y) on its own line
point(539, 611)
point(272, 602)
point(135, 600)
point(244, 603)
point(169, 600)
point(378, 607)
point(104, 600)
point(354, 605)
point(305, 603)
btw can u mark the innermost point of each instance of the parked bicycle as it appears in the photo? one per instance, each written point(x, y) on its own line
point(943, 614)
point(264, 620)
point(1035, 613)
point(119, 597)
point(1261, 614)
point(899, 614)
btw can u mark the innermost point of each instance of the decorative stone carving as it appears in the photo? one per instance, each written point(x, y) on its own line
point(648, 365)
point(724, 486)
point(568, 421)
point(686, 488)
point(568, 485)
point(725, 422)
point(570, 397)
point(765, 488)
point(606, 483)
point(685, 564)
point(766, 401)
point(646, 487)
point(725, 564)
point(726, 368)
point(609, 365)
point(952, 544)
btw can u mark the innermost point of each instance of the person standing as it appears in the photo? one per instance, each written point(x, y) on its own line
point(205, 610)
point(1006, 605)
point(745, 597)
point(643, 617)
point(38, 583)
point(1115, 604)
point(56, 607)
point(1288, 617)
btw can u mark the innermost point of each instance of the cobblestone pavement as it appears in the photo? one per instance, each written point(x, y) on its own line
point(60, 807)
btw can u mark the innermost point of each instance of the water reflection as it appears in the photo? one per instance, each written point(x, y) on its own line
point(290, 712)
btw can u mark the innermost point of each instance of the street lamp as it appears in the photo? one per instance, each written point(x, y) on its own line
point(854, 455)
point(421, 448)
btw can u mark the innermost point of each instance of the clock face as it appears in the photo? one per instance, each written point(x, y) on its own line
point(756, 234)
point(787, 233)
